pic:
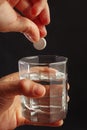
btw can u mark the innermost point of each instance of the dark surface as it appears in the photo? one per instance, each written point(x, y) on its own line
point(67, 36)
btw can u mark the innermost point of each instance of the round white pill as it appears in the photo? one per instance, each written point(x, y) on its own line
point(40, 45)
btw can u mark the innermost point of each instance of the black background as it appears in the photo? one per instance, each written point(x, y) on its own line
point(67, 36)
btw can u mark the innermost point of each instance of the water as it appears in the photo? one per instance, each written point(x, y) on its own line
point(53, 106)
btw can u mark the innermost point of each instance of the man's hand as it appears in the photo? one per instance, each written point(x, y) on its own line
point(10, 105)
point(26, 16)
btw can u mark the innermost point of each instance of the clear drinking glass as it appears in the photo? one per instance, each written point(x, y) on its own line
point(50, 71)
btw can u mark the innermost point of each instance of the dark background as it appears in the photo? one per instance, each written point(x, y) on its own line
point(67, 36)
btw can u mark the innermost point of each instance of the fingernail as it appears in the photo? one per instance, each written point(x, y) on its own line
point(29, 38)
point(59, 123)
point(39, 90)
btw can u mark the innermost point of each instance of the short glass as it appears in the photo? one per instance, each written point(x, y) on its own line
point(50, 71)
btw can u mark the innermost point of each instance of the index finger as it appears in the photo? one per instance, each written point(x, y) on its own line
point(45, 15)
point(54, 124)
point(10, 77)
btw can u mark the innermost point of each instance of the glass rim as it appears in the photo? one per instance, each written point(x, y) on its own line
point(23, 59)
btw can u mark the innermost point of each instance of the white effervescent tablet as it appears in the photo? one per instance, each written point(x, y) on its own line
point(40, 45)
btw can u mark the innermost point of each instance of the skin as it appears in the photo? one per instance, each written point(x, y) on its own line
point(11, 88)
point(29, 17)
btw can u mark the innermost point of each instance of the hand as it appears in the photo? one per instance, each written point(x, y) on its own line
point(26, 16)
point(10, 105)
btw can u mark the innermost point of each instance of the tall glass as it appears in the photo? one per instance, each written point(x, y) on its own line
point(50, 71)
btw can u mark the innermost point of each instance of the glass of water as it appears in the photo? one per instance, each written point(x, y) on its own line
point(50, 71)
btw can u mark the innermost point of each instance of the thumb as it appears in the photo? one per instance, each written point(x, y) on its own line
point(27, 27)
point(21, 87)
